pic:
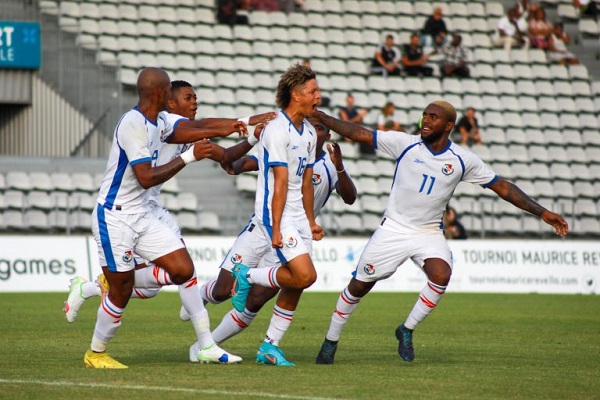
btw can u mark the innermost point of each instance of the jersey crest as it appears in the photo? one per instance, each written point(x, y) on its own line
point(316, 179)
point(448, 169)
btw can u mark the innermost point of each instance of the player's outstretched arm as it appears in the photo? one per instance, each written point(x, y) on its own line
point(344, 186)
point(511, 193)
point(149, 176)
point(244, 164)
point(192, 131)
point(350, 130)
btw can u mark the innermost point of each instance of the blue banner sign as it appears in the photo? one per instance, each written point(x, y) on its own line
point(20, 45)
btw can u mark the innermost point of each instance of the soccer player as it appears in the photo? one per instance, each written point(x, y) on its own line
point(123, 222)
point(182, 108)
point(284, 213)
point(428, 169)
point(329, 174)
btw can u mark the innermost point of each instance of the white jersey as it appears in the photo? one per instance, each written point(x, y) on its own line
point(425, 181)
point(134, 137)
point(163, 152)
point(282, 144)
point(324, 179)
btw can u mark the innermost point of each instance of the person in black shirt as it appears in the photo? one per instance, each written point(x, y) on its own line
point(453, 229)
point(387, 58)
point(434, 31)
point(468, 127)
point(413, 59)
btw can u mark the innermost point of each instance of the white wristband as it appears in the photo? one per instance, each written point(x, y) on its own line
point(252, 140)
point(245, 120)
point(188, 155)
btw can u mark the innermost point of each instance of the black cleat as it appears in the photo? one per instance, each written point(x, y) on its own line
point(327, 352)
point(405, 346)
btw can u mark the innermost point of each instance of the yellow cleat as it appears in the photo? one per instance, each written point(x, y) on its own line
point(101, 360)
point(103, 283)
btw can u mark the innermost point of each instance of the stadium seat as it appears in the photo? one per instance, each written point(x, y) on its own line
point(13, 220)
point(208, 222)
point(350, 224)
point(540, 170)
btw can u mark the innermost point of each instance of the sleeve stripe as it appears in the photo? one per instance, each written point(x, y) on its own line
point(140, 160)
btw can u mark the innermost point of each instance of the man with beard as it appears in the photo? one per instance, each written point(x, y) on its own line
point(428, 169)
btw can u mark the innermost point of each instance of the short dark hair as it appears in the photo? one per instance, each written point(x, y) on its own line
point(179, 84)
point(296, 75)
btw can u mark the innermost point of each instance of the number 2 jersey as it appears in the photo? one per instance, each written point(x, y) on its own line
point(282, 144)
point(424, 181)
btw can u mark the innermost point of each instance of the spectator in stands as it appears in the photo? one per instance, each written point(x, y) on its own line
point(455, 58)
point(434, 30)
point(587, 7)
point(539, 29)
point(557, 47)
point(453, 229)
point(510, 31)
point(265, 5)
point(386, 120)
point(227, 12)
point(352, 114)
point(468, 127)
point(413, 58)
point(387, 58)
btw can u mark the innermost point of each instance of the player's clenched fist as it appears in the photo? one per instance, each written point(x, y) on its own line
point(202, 149)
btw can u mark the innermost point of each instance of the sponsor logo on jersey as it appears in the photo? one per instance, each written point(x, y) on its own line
point(128, 256)
point(448, 169)
point(419, 161)
point(369, 269)
point(236, 259)
point(295, 147)
point(291, 242)
point(316, 179)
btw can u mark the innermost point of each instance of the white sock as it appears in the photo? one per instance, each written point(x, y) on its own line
point(428, 300)
point(264, 276)
point(90, 289)
point(151, 277)
point(344, 307)
point(144, 293)
point(232, 323)
point(206, 291)
point(107, 323)
point(192, 301)
point(280, 322)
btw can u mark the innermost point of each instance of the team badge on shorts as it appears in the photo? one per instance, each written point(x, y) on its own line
point(447, 169)
point(236, 259)
point(291, 242)
point(128, 256)
point(369, 269)
point(316, 179)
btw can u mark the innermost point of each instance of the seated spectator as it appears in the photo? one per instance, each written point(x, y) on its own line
point(468, 127)
point(557, 47)
point(227, 12)
point(413, 58)
point(587, 7)
point(455, 58)
point(434, 30)
point(265, 5)
point(510, 31)
point(387, 58)
point(350, 113)
point(539, 29)
point(386, 120)
point(453, 229)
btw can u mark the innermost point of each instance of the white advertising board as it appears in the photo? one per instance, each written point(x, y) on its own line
point(42, 264)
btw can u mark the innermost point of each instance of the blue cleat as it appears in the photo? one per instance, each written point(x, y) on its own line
point(405, 346)
point(271, 355)
point(241, 287)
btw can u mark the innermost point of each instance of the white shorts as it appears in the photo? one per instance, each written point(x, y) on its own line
point(253, 246)
point(119, 236)
point(388, 250)
point(165, 216)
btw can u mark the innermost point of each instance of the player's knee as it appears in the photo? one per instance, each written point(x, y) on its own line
point(181, 277)
point(221, 293)
point(306, 278)
point(441, 277)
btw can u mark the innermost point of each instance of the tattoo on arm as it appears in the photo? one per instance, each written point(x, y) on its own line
point(516, 196)
point(350, 130)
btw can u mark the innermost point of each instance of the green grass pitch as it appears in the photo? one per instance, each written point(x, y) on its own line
point(474, 346)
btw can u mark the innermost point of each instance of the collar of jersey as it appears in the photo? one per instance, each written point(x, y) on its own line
point(439, 152)
point(292, 124)
point(149, 120)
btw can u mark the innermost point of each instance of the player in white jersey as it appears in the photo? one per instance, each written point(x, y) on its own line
point(122, 222)
point(329, 174)
point(428, 169)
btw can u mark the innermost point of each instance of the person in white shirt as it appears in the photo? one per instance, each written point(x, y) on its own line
point(123, 223)
point(511, 31)
point(428, 169)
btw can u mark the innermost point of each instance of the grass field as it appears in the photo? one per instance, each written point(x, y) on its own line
point(480, 346)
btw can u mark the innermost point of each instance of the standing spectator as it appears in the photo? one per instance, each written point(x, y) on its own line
point(413, 58)
point(227, 13)
point(455, 58)
point(557, 47)
point(539, 29)
point(387, 58)
point(468, 127)
point(453, 229)
point(434, 30)
point(511, 32)
point(587, 7)
point(386, 120)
